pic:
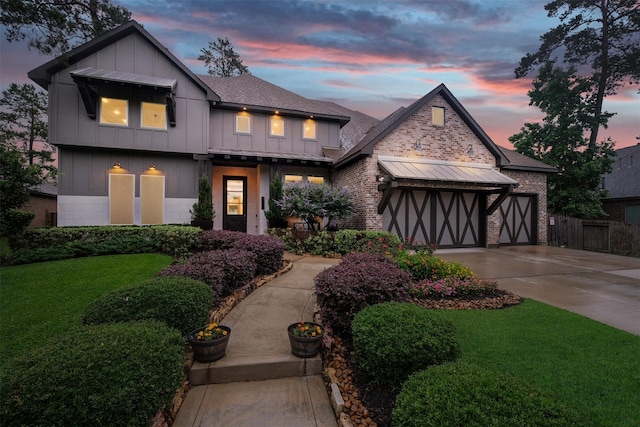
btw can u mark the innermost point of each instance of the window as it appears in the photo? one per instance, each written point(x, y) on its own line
point(243, 123)
point(632, 214)
point(154, 116)
point(114, 111)
point(315, 179)
point(121, 194)
point(151, 199)
point(309, 130)
point(277, 126)
point(290, 179)
point(437, 116)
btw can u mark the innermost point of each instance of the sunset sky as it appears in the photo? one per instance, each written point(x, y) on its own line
point(370, 56)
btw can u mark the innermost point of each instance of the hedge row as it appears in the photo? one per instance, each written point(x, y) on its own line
point(339, 242)
point(106, 375)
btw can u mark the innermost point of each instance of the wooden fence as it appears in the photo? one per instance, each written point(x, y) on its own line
point(603, 236)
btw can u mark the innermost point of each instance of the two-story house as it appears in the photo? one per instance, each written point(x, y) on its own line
point(135, 128)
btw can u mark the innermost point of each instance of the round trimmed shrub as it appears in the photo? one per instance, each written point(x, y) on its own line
point(180, 302)
point(457, 394)
point(269, 252)
point(360, 280)
point(216, 240)
point(105, 375)
point(238, 267)
point(393, 340)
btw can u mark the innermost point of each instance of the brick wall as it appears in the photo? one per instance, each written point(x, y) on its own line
point(42, 206)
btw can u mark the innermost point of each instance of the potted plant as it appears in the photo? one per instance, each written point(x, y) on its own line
point(202, 212)
point(305, 338)
point(276, 216)
point(210, 342)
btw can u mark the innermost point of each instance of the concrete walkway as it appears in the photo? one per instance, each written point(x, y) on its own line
point(259, 382)
point(600, 286)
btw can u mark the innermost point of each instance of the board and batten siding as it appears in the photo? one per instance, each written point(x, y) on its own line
point(132, 54)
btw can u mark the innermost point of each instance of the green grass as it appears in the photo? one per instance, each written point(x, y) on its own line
point(39, 301)
point(585, 363)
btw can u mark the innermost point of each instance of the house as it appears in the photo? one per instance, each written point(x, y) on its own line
point(622, 184)
point(42, 202)
point(135, 128)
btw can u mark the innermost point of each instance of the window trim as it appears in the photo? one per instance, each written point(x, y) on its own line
point(315, 130)
point(102, 122)
point(246, 116)
point(271, 122)
point(142, 126)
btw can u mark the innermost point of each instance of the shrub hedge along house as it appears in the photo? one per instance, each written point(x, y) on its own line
point(135, 129)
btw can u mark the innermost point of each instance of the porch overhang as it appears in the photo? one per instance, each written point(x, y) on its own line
point(91, 80)
point(406, 172)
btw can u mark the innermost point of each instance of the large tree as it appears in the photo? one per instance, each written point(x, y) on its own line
point(222, 60)
point(27, 158)
point(57, 26)
point(601, 38)
point(560, 141)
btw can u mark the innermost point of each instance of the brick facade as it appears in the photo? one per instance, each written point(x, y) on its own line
point(417, 137)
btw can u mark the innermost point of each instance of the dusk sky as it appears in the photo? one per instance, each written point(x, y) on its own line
point(370, 56)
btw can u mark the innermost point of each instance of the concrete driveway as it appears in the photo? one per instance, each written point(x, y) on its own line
point(602, 287)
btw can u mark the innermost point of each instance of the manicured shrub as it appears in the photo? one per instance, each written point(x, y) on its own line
point(422, 265)
point(214, 240)
point(45, 244)
point(358, 281)
point(393, 340)
point(269, 252)
point(180, 302)
point(457, 394)
point(224, 271)
point(210, 274)
point(14, 222)
point(105, 375)
point(347, 241)
point(454, 287)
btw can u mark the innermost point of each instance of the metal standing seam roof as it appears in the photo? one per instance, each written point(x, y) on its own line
point(127, 78)
point(443, 171)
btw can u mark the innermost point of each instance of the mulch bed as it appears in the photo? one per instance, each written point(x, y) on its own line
point(368, 406)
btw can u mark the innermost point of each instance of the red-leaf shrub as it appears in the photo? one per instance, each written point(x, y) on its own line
point(450, 287)
point(269, 251)
point(214, 240)
point(238, 266)
point(210, 274)
point(224, 271)
point(360, 280)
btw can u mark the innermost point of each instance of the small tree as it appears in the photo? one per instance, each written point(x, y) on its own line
point(203, 209)
point(275, 215)
point(309, 201)
point(221, 60)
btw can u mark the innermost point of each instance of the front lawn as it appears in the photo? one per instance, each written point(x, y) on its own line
point(39, 301)
point(585, 363)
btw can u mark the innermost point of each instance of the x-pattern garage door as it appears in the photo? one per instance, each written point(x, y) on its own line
point(518, 215)
point(449, 219)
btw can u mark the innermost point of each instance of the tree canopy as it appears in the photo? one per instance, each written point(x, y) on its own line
point(26, 157)
point(600, 39)
point(222, 60)
point(560, 141)
point(55, 27)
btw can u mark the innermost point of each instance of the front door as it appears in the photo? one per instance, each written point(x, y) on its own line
point(234, 217)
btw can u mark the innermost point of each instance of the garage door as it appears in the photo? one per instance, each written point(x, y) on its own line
point(519, 220)
point(450, 219)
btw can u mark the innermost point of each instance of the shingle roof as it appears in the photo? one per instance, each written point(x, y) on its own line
point(357, 127)
point(250, 91)
point(624, 178)
point(518, 161)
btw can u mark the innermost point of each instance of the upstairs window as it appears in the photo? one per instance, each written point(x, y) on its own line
point(154, 116)
point(309, 130)
point(114, 111)
point(437, 116)
point(243, 123)
point(277, 126)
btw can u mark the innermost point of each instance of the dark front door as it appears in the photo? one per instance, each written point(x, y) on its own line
point(234, 217)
